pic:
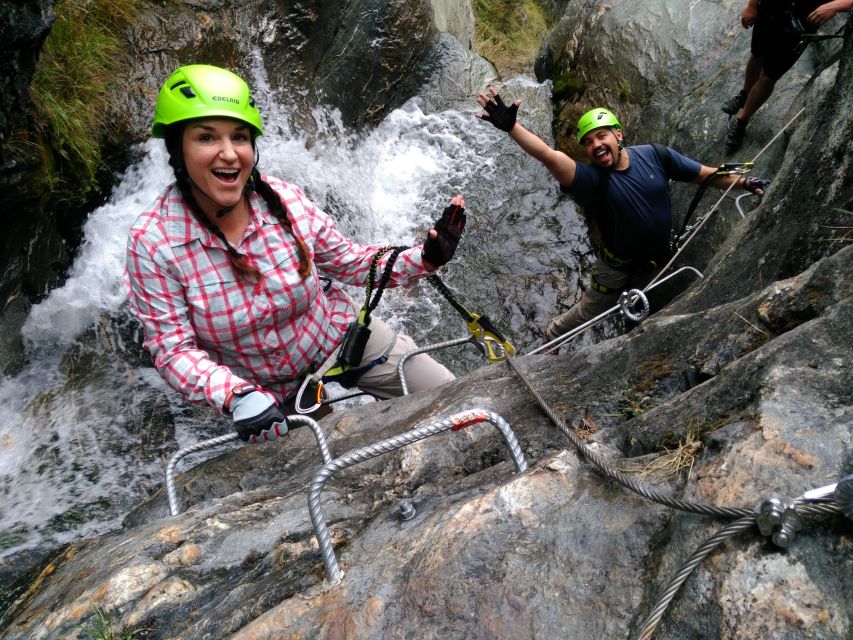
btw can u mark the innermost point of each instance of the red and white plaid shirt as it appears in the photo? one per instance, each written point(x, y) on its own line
point(209, 328)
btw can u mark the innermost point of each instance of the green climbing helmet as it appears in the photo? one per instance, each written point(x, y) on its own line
point(204, 91)
point(595, 118)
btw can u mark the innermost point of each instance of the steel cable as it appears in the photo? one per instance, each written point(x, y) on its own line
point(746, 518)
point(700, 554)
point(806, 510)
point(602, 465)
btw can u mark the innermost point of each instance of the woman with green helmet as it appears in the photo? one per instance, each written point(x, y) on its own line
point(624, 192)
point(224, 270)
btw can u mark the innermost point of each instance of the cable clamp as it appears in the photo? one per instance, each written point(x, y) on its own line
point(777, 518)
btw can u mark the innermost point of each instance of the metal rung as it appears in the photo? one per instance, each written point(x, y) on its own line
point(293, 423)
point(455, 422)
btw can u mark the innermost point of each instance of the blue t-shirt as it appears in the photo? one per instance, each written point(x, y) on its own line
point(635, 217)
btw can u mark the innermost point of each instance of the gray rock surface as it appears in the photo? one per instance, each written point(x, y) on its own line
point(492, 553)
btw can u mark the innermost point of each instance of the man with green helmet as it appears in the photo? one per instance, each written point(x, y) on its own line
point(624, 192)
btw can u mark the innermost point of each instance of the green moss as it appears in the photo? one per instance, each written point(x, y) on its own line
point(508, 32)
point(73, 88)
point(566, 86)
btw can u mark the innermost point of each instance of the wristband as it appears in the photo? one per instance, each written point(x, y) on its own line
point(238, 390)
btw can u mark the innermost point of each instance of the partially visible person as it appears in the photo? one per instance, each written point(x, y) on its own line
point(226, 270)
point(778, 27)
point(624, 193)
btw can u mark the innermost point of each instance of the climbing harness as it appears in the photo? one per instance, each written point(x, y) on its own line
point(808, 38)
point(455, 422)
point(343, 365)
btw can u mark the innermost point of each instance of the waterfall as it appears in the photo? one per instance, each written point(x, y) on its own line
point(73, 457)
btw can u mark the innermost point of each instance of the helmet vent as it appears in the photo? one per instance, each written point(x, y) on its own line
point(188, 92)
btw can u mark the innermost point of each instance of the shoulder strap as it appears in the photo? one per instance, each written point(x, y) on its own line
point(664, 158)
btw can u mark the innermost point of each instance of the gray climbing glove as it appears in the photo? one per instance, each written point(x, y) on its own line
point(257, 417)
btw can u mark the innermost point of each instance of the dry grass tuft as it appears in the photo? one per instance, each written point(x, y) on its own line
point(669, 464)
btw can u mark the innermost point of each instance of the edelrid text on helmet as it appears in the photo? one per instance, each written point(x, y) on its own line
point(204, 91)
point(595, 119)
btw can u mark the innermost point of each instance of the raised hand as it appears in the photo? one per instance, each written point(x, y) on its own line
point(443, 238)
point(500, 115)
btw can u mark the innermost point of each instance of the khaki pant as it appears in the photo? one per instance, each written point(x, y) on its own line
point(381, 380)
point(593, 302)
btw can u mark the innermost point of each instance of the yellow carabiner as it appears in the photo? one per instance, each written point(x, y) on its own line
point(729, 168)
point(495, 346)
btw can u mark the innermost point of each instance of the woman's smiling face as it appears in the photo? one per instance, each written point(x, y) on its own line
point(219, 156)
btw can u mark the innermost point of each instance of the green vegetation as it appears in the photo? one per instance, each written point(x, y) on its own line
point(73, 89)
point(566, 86)
point(102, 629)
point(509, 32)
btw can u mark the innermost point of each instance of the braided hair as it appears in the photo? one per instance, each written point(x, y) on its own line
point(174, 146)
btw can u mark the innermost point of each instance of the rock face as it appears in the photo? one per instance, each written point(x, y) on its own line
point(748, 376)
point(764, 387)
point(24, 24)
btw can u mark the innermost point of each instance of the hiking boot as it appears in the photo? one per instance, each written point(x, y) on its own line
point(735, 136)
point(735, 103)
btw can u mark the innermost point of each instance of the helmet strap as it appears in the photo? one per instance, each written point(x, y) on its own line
point(620, 145)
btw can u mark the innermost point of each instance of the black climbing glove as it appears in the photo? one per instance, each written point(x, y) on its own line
point(753, 184)
point(500, 115)
point(439, 250)
point(257, 417)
